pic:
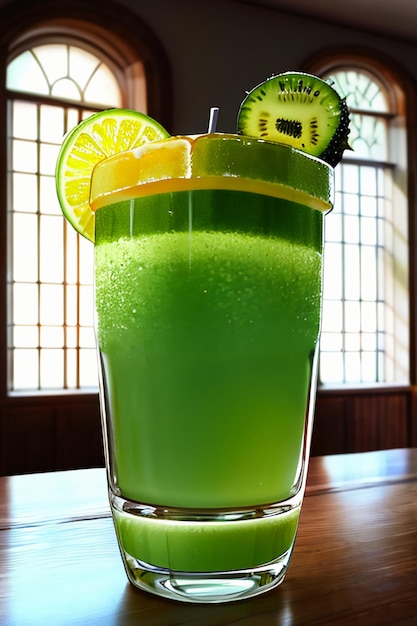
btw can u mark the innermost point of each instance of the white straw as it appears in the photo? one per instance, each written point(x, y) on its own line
point(214, 113)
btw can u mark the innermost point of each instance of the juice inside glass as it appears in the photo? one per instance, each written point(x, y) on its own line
point(208, 257)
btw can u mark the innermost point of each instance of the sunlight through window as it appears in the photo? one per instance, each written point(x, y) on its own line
point(53, 345)
point(365, 329)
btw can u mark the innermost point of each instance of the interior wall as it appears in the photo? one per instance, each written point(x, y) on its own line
point(222, 48)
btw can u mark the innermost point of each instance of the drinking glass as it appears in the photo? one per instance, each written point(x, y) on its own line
point(208, 273)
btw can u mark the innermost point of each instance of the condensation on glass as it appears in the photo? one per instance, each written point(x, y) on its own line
point(50, 89)
point(365, 301)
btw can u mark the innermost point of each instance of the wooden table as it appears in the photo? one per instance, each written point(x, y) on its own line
point(355, 560)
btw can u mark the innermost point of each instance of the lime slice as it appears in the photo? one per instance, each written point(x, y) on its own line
point(99, 136)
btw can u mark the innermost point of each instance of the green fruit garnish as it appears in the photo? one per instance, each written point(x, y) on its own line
point(300, 110)
point(99, 136)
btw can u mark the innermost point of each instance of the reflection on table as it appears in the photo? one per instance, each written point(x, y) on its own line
point(355, 559)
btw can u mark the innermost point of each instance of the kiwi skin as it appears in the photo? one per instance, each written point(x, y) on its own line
point(300, 110)
point(339, 143)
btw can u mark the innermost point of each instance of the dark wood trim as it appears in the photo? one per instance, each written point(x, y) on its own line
point(124, 31)
point(363, 419)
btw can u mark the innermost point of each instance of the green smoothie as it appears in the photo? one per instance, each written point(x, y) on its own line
point(197, 546)
point(208, 254)
point(207, 325)
point(206, 339)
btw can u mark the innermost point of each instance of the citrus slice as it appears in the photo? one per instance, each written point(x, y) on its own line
point(213, 161)
point(99, 136)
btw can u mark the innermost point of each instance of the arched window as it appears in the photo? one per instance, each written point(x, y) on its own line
point(365, 329)
point(61, 65)
point(50, 87)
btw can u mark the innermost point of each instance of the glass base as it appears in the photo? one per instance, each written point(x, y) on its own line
point(205, 555)
point(206, 587)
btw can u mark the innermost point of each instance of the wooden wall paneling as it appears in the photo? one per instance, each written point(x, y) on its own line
point(28, 440)
point(362, 433)
point(359, 420)
point(413, 417)
point(65, 433)
point(329, 428)
point(53, 433)
point(378, 421)
point(394, 422)
point(79, 441)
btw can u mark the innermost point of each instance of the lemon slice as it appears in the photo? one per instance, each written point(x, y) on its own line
point(99, 136)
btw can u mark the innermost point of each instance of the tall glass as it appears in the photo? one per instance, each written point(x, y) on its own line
point(208, 295)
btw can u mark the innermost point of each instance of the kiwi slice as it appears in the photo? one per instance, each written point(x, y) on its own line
point(300, 110)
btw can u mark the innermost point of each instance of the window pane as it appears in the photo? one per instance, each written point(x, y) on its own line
point(87, 338)
point(51, 249)
point(103, 88)
point(332, 284)
point(52, 337)
point(25, 303)
point(25, 247)
point(52, 369)
point(24, 74)
point(360, 90)
point(369, 231)
point(25, 192)
point(350, 181)
point(25, 337)
point(86, 314)
point(352, 317)
point(331, 367)
point(332, 316)
point(86, 261)
point(331, 342)
point(53, 58)
point(66, 89)
point(51, 304)
point(333, 225)
point(352, 367)
point(351, 276)
point(88, 368)
point(351, 229)
point(52, 128)
point(48, 158)
point(82, 66)
point(71, 254)
point(25, 369)
point(368, 274)
point(71, 369)
point(71, 337)
point(368, 178)
point(25, 120)
point(49, 199)
point(352, 342)
point(25, 156)
point(71, 304)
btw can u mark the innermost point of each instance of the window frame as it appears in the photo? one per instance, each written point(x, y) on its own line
point(130, 49)
point(403, 100)
point(381, 356)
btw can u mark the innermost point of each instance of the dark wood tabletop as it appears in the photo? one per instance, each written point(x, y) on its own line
point(355, 560)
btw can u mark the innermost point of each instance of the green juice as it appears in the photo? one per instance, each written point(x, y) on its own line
point(208, 308)
point(208, 269)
